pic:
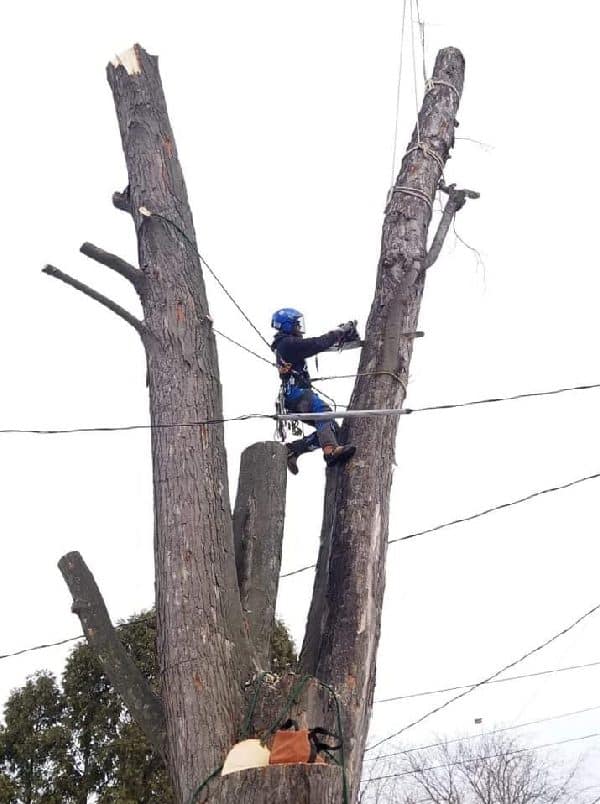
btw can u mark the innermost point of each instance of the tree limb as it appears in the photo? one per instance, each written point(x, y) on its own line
point(144, 706)
point(134, 275)
point(99, 297)
point(456, 200)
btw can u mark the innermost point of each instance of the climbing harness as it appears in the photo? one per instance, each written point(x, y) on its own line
point(291, 379)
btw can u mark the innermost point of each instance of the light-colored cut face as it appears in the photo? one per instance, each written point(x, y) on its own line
point(129, 60)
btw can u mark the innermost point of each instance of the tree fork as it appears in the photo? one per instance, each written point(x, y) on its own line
point(345, 615)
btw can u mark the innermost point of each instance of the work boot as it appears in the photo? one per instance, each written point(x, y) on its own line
point(292, 461)
point(340, 455)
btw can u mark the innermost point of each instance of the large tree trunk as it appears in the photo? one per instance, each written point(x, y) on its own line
point(202, 645)
point(344, 620)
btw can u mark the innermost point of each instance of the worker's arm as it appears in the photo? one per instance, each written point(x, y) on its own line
point(296, 349)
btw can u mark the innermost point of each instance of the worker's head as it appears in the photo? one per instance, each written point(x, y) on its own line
point(288, 320)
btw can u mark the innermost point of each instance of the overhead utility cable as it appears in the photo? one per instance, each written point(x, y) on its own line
point(300, 416)
point(470, 517)
point(509, 666)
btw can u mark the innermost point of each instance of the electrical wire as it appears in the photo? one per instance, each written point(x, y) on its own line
point(248, 416)
point(70, 639)
point(470, 517)
point(484, 734)
point(495, 681)
point(478, 759)
point(395, 150)
point(479, 684)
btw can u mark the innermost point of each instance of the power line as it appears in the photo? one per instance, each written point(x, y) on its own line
point(470, 517)
point(500, 507)
point(130, 427)
point(484, 734)
point(70, 639)
point(299, 416)
point(478, 759)
point(488, 679)
point(495, 681)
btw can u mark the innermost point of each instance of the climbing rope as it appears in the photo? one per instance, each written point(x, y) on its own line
point(147, 214)
point(431, 84)
point(393, 176)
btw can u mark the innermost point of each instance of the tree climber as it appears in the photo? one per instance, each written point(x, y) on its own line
point(291, 350)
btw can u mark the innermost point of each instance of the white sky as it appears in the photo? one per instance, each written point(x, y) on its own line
point(284, 117)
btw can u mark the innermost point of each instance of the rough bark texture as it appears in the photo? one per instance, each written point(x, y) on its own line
point(344, 620)
point(296, 784)
point(202, 644)
point(258, 520)
point(122, 671)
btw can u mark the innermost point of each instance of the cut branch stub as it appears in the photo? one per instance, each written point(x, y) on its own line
point(144, 706)
point(258, 520)
point(125, 269)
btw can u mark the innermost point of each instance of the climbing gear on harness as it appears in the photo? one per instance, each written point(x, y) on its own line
point(285, 427)
point(288, 320)
point(339, 455)
point(292, 745)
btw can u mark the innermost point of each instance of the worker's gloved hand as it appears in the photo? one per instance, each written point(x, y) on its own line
point(348, 330)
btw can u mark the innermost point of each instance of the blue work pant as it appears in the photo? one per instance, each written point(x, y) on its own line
point(304, 400)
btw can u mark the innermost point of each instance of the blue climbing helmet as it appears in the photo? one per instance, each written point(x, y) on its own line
point(288, 320)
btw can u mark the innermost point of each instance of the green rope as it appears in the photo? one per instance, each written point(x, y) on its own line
point(251, 709)
point(292, 698)
point(203, 784)
point(342, 760)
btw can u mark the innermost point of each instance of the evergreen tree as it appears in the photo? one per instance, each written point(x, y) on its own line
point(61, 745)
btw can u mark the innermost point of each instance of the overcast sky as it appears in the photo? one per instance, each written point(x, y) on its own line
point(284, 120)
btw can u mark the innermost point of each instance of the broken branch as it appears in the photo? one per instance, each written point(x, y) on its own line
point(144, 706)
point(134, 275)
point(99, 297)
point(456, 200)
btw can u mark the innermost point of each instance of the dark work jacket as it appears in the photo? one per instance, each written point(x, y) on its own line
point(294, 349)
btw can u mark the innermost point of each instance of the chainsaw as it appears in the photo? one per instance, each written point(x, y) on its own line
point(350, 340)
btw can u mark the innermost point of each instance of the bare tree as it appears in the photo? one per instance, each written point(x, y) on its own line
point(216, 575)
point(494, 769)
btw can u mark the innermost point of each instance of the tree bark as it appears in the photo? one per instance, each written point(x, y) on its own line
point(203, 650)
point(118, 665)
point(297, 784)
point(258, 520)
point(344, 620)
